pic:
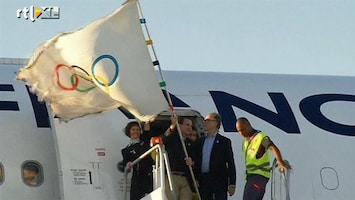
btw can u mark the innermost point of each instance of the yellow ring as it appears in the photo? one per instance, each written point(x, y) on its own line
point(103, 81)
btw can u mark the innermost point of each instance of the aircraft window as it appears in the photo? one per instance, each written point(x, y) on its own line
point(329, 178)
point(32, 173)
point(1, 173)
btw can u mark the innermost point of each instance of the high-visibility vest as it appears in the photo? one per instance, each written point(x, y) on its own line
point(255, 165)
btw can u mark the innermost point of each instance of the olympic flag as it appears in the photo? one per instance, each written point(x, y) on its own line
point(99, 67)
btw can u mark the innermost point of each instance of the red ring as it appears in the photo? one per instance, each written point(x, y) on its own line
point(75, 86)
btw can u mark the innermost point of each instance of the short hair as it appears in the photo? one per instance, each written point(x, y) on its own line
point(129, 126)
point(243, 120)
point(217, 117)
point(32, 168)
point(182, 118)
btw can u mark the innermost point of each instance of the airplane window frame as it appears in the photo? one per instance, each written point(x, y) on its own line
point(40, 175)
point(325, 174)
point(2, 173)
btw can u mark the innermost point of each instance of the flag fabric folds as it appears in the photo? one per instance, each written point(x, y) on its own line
point(99, 67)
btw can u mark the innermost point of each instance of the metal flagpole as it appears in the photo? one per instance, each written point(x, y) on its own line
point(163, 84)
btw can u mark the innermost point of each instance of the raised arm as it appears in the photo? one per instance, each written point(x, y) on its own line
point(172, 126)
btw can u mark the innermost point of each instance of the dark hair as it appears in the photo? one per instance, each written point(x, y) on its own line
point(129, 126)
point(243, 120)
point(217, 117)
point(182, 118)
point(197, 133)
point(32, 168)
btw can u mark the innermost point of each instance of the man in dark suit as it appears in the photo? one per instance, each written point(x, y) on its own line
point(215, 167)
point(177, 158)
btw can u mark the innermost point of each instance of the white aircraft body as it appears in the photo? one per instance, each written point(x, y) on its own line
point(310, 118)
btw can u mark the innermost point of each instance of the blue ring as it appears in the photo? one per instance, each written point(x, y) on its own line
point(114, 62)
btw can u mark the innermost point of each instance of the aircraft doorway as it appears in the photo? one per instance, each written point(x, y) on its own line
point(162, 121)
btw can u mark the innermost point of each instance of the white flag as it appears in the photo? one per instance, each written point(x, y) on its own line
point(99, 67)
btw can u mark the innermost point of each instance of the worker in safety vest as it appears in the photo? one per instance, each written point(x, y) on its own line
point(257, 159)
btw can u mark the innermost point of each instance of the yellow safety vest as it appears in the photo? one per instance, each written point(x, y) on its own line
point(255, 165)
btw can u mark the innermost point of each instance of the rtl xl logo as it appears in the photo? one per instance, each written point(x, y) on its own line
point(42, 12)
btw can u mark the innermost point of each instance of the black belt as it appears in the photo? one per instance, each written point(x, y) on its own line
point(204, 175)
point(178, 173)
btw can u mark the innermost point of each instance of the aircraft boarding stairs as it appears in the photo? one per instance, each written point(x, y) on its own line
point(280, 182)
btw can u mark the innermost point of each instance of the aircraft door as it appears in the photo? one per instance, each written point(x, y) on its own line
point(89, 149)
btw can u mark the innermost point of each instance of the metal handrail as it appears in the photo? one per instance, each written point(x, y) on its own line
point(286, 179)
point(160, 162)
point(170, 178)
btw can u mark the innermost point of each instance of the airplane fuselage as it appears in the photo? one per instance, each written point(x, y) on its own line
point(310, 118)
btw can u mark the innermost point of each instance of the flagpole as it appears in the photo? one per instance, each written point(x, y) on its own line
point(163, 84)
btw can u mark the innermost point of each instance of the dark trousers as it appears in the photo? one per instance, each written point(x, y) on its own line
point(210, 191)
point(255, 187)
point(140, 186)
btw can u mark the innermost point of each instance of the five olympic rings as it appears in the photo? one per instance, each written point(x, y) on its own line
point(75, 76)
